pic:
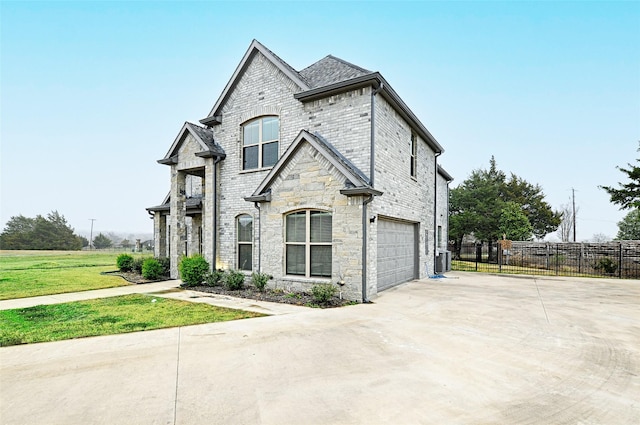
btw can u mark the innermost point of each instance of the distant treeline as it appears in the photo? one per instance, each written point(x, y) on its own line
point(46, 233)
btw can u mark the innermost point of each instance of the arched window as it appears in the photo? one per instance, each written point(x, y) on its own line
point(260, 143)
point(244, 231)
point(308, 243)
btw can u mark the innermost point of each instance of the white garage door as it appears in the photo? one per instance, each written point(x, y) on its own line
point(397, 251)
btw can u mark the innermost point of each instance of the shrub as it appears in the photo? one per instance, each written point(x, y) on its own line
point(214, 278)
point(151, 269)
point(165, 263)
point(260, 280)
point(124, 262)
point(234, 280)
point(137, 264)
point(193, 270)
point(607, 265)
point(323, 292)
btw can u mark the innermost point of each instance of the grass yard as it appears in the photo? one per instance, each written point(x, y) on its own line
point(467, 266)
point(33, 273)
point(106, 316)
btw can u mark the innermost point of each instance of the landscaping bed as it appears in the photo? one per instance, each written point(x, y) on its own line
point(272, 295)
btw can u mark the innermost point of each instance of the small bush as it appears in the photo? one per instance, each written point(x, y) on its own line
point(607, 265)
point(193, 270)
point(260, 280)
point(137, 264)
point(214, 278)
point(165, 263)
point(151, 269)
point(323, 292)
point(234, 280)
point(124, 262)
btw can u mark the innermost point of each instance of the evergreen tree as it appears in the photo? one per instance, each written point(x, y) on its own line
point(628, 194)
point(18, 233)
point(101, 241)
point(478, 203)
point(629, 227)
point(514, 224)
point(46, 233)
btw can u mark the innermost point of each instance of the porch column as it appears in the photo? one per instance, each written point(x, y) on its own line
point(196, 224)
point(208, 211)
point(160, 234)
point(178, 208)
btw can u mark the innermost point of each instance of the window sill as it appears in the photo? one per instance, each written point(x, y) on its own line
point(304, 279)
point(254, 170)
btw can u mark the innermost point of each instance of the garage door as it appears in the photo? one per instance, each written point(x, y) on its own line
point(396, 253)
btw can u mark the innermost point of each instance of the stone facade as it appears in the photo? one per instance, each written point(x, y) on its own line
point(324, 151)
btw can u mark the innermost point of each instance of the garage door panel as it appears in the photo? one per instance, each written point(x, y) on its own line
point(396, 253)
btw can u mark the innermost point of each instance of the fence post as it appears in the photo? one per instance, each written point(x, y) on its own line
point(580, 257)
point(620, 262)
point(557, 258)
point(548, 265)
point(500, 253)
point(478, 255)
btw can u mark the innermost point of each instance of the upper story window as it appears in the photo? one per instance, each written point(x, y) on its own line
point(308, 243)
point(244, 231)
point(260, 143)
point(414, 155)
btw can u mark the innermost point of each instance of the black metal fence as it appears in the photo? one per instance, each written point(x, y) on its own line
point(613, 259)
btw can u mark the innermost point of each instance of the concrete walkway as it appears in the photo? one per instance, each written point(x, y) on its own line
point(166, 289)
point(469, 349)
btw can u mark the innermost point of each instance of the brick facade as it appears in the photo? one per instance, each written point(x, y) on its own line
point(313, 176)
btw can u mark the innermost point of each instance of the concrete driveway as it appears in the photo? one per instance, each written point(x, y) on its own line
point(469, 349)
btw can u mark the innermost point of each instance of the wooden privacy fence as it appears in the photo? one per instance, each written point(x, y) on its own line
point(619, 259)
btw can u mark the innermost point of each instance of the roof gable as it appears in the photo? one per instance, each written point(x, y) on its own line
point(203, 137)
point(255, 48)
point(354, 177)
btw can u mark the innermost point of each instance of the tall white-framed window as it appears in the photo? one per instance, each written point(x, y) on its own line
point(414, 155)
point(260, 143)
point(308, 243)
point(244, 232)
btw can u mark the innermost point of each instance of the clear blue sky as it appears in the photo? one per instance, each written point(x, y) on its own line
point(93, 93)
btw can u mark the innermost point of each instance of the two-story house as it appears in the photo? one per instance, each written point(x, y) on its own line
point(312, 176)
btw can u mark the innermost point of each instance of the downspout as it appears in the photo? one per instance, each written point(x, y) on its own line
point(372, 156)
point(215, 211)
point(435, 209)
point(259, 239)
point(365, 300)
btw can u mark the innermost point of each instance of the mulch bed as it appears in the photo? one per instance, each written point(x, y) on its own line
point(249, 291)
point(132, 277)
point(274, 296)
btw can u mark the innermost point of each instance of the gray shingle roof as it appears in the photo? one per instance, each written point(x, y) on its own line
point(206, 135)
point(193, 203)
point(330, 70)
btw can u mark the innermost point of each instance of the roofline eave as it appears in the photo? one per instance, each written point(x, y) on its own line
point(359, 191)
point(172, 160)
point(211, 154)
point(374, 79)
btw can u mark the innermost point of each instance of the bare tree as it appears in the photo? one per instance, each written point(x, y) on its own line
point(600, 238)
point(565, 231)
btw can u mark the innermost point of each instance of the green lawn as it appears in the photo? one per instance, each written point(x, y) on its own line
point(32, 273)
point(106, 316)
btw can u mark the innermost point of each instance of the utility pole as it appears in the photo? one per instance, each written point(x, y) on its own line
point(91, 234)
point(573, 199)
